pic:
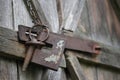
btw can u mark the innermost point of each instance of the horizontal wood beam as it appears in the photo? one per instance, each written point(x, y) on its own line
point(10, 47)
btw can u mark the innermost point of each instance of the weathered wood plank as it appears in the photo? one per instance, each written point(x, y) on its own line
point(109, 55)
point(107, 74)
point(98, 22)
point(54, 75)
point(33, 72)
point(113, 23)
point(71, 12)
point(48, 14)
point(116, 6)
point(74, 67)
point(8, 67)
point(6, 16)
point(89, 71)
point(21, 15)
point(83, 29)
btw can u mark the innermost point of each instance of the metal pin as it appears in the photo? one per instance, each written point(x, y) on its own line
point(28, 57)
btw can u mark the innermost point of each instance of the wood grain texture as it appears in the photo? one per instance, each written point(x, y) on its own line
point(48, 14)
point(74, 67)
point(54, 75)
point(8, 67)
point(21, 15)
point(6, 16)
point(116, 6)
point(98, 22)
point(83, 29)
point(89, 71)
point(107, 74)
point(103, 22)
point(33, 72)
point(113, 23)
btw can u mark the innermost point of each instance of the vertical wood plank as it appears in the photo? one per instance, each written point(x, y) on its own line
point(98, 22)
point(89, 71)
point(114, 25)
point(47, 10)
point(8, 67)
point(107, 74)
point(6, 16)
point(33, 72)
point(83, 29)
point(21, 15)
point(54, 75)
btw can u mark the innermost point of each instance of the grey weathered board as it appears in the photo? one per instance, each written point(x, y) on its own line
point(97, 22)
point(8, 67)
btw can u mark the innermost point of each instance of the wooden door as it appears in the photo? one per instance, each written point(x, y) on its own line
point(98, 22)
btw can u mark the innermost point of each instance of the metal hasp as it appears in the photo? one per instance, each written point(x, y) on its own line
point(42, 34)
point(59, 43)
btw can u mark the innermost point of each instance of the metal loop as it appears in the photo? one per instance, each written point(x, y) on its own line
point(47, 29)
point(43, 29)
point(30, 36)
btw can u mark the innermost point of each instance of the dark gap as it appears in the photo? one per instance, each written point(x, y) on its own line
point(13, 15)
point(18, 77)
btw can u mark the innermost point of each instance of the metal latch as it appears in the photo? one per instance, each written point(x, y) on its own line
point(59, 43)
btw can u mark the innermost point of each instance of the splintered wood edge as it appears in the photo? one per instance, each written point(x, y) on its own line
point(10, 47)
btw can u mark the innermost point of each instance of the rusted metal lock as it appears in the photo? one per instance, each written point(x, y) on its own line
point(59, 42)
point(34, 41)
point(49, 60)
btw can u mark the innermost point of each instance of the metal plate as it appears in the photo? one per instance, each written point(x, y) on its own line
point(73, 43)
point(50, 60)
